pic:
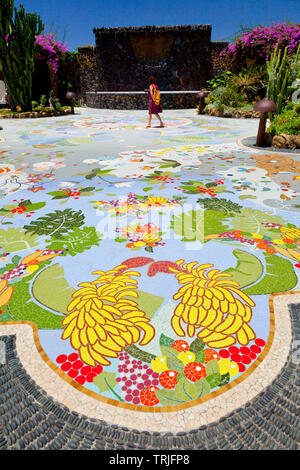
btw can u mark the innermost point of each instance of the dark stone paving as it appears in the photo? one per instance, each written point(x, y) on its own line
point(31, 420)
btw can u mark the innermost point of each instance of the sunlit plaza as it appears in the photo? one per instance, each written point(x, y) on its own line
point(149, 277)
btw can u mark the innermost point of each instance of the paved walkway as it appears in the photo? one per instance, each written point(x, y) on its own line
point(149, 285)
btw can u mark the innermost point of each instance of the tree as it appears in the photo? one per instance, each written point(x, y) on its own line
point(18, 31)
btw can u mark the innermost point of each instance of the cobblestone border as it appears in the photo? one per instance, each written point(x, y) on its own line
point(31, 420)
point(85, 402)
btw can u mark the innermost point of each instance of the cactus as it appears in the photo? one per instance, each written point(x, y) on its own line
point(280, 76)
point(18, 31)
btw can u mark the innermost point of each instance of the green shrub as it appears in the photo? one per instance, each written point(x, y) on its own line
point(223, 96)
point(215, 95)
point(34, 104)
point(43, 101)
point(233, 98)
point(220, 80)
point(219, 106)
point(247, 107)
point(251, 83)
point(78, 103)
point(288, 122)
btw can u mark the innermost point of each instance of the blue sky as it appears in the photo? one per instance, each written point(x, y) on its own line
point(74, 20)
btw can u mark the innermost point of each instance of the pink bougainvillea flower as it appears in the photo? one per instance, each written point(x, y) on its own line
point(53, 48)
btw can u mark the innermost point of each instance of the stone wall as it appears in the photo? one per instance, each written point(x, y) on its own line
point(178, 56)
point(79, 73)
point(220, 64)
point(132, 100)
point(88, 70)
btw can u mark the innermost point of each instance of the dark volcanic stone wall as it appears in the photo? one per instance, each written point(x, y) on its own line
point(178, 56)
point(88, 70)
point(139, 101)
point(221, 63)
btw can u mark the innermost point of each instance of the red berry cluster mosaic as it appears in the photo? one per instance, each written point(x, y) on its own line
point(134, 377)
point(245, 355)
point(76, 369)
point(139, 382)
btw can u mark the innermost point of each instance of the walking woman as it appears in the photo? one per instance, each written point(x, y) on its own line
point(154, 102)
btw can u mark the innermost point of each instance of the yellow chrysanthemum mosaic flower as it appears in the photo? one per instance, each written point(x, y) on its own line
point(104, 318)
point(208, 302)
point(157, 200)
point(151, 239)
point(290, 232)
point(141, 235)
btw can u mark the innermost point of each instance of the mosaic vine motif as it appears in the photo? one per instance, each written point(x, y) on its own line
point(162, 248)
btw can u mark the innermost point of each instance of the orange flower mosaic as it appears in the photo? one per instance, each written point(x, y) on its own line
point(180, 345)
point(148, 397)
point(210, 355)
point(168, 379)
point(194, 371)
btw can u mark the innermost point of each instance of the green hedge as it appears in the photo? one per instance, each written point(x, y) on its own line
point(288, 122)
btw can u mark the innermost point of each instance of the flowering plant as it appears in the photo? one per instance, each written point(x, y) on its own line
point(262, 40)
point(52, 47)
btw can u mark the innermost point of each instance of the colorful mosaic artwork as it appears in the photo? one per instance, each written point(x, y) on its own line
point(146, 259)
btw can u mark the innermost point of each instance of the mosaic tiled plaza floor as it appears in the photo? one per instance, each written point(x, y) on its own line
point(149, 284)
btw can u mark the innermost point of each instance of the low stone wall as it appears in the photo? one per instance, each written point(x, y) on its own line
point(139, 100)
point(36, 114)
point(234, 113)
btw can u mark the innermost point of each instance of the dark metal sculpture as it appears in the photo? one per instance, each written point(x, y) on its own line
point(70, 97)
point(264, 107)
point(201, 95)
